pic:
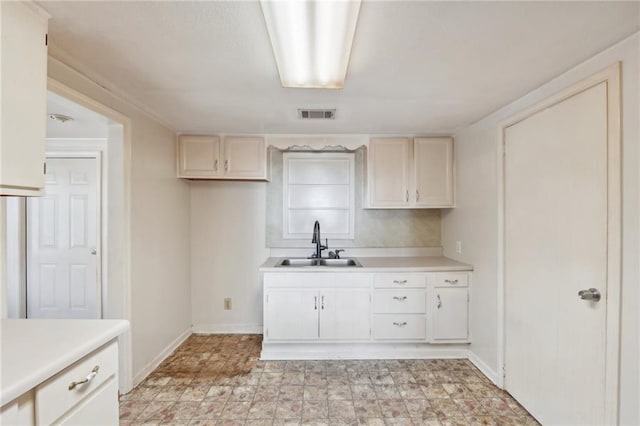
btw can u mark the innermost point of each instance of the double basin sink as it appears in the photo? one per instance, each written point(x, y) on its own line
point(303, 262)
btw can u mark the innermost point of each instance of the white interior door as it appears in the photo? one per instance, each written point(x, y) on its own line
point(555, 246)
point(62, 242)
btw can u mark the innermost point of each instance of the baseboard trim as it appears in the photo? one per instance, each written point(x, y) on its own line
point(484, 368)
point(148, 369)
point(227, 328)
point(327, 351)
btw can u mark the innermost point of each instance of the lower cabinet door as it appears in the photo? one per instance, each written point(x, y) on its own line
point(291, 314)
point(345, 314)
point(449, 307)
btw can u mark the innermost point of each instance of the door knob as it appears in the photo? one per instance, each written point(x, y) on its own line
point(590, 294)
point(94, 251)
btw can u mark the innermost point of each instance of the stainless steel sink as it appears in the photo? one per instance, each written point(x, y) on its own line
point(298, 262)
point(339, 262)
point(302, 262)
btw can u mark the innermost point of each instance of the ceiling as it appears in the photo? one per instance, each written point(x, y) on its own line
point(84, 123)
point(416, 67)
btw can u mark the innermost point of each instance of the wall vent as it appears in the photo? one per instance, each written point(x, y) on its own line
point(316, 114)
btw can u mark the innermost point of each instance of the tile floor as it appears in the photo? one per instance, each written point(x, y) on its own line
point(218, 379)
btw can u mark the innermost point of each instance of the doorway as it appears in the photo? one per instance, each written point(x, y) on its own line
point(63, 249)
point(561, 254)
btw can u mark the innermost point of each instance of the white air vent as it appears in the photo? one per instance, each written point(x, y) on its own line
point(316, 114)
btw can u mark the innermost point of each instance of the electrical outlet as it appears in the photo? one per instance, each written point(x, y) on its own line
point(458, 246)
point(227, 303)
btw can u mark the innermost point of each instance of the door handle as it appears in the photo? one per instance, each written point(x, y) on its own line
point(591, 294)
point(439, 302)
point(94, 251)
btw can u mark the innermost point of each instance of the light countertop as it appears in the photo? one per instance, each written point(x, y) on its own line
point(379, 264)
point(35, 349)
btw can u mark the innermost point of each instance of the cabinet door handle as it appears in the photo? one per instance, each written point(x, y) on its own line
point(417, 196)
point(451, 281)
point(407, 196)
point(315, 303)
point(400, 324)
point(400, 298)
point(215, 166)
point(439, 302)
point(322, 302)
point(226, 165)
point(94, 372)
point(399, 281)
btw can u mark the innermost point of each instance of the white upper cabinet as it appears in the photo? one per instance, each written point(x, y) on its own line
point(232, 158)
point(199, 157)
point(433, 172)
point(24, 98)
point(388, 172)
point(245, 158)
point(405, 173)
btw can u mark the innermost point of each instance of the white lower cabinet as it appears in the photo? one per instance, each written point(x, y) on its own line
point(92, 400)
point(344, 314)
point(399, 307)
point(310, 307)
point(359, 307)
point(291, 314)
point(448, 308)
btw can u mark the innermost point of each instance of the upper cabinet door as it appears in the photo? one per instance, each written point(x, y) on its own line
point(388, 172)
point(245, 158)
point(24, 98)
point(199, 156)
point(433, 172)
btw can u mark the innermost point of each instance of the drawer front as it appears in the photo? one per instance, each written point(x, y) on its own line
point(450, 279)
point(54, 398)
point(399, 281)
point(400, 327)
point(399, 301)
point(101, 408)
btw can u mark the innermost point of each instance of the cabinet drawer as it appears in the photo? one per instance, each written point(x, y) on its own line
point(399, 281)
point(400, 327)
point(449, 279)
point(399, 302)
point(54, 398)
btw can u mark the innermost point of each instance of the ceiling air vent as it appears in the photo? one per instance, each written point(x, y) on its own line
point(316, 114)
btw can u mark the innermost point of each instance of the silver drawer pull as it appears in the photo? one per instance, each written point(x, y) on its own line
point(451, 281)
point(399, 281)
point(90, 377)
point(439, 302)
point(400, 324)
point(400, 298)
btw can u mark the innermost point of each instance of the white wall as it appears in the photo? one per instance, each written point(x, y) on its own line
point(475, 221)
point(227, 247)
point(159, 237)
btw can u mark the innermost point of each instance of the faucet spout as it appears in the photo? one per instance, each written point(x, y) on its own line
point(317, 241)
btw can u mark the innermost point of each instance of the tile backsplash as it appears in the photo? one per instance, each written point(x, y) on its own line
point(373, 228)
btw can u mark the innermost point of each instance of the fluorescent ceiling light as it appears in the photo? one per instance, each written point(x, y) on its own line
point(311, 40)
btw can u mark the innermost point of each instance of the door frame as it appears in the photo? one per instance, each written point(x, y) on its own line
point(610, 76)
point(125, 340)
point(80, 155)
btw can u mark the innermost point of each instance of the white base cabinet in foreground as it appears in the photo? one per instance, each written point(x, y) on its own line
point(365, 315)
point(84, 393)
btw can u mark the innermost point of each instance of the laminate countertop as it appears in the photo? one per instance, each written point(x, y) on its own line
point(378, 264)
point(33, 350)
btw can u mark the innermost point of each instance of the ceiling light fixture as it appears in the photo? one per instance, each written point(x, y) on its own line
point(311, 40)
point(60, 118)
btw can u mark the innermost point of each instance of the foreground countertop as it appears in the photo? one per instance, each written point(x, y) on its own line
point(35, 349)
point(379, 264)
